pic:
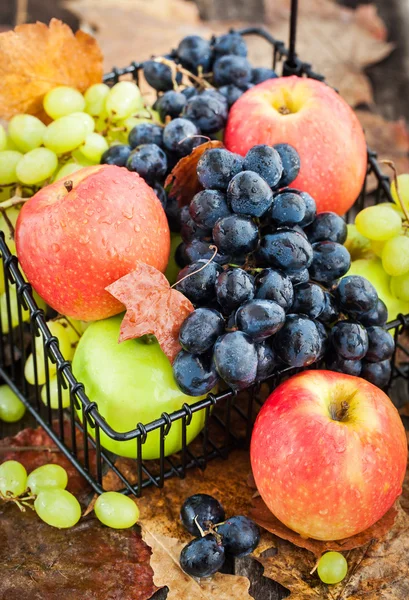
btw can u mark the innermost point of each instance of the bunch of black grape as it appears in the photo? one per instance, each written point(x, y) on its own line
point(271, 298)
point(189, 114)
point(204, 517)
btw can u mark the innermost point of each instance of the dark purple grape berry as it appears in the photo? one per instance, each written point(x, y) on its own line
point(230, 43)
point(249, 194)
point(201, 508)
point(235, 358)
point(274, 285)
point(216, 167)
point(200, 330)
point(377, 373)
point(327, 226)
point(233, 288)
point(330, 261)
point(298, 343)
point(265, 161)
point(309, 300)
point(202, 557)
point(194, 52)
point(349, 340)
point(149, 161)
point(260, 74)
point(145, 133)
point(240, 535)
point(290, 160)
point(207, 207)
point(116, 155)
point(195, 374)
point(260, 319)
point(381, 344)
point(232, 69)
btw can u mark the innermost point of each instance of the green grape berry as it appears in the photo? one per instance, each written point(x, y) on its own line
point(8, 163)
point(57, 508)
point(116, 510)
point(378, 223)
point(46, 477)
point(94, 146)
point(36, 166)
point(62, 101)
point(332, 567)
point(13, 479)
point(123, 100)
point(3, 138)
point(65, 134)
point(68, 169)
point(26, 131)
point(85, 119)
point(53, 391)
point(395, 256)
point(11, 407)
point(95, 99)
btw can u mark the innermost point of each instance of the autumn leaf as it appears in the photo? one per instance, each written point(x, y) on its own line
point(35, 57)
point(152, 306)
point(183, 180)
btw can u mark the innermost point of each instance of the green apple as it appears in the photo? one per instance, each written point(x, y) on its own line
point(131, 383)
point(372, 269)
point(173, 268)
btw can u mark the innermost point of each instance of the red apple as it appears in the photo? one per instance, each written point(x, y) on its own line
point(314, 119)
point(73, 243)
point(328, 454)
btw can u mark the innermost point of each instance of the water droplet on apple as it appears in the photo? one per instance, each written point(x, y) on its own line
point(83, 239)
point(136, 228)
point(89, 211)
point(128, 214)
point(323, 512)
point(55, 247)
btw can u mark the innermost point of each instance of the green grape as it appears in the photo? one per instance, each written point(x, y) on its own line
point(116, 510)
point(72, 328)
point(65, 347)
point(13, 478)
point(102, 122)
point(65, 134)
point(62, 101)
point(400, 287)
point(36, 166)
point(377, 247)
point(3, 138)
point(25, 314)
point(68, 169)
point(53, 387)
point(10, 145)
point(79, 158)
point(46, 477)
point(95, 97)
point(378, 223)
point(94, 147)
point(8, 163)
point(57, 508)
point(395, 256)
point(332, 567)
point(11, 407)
point(123, 100)
point(85, 119)
point(403, 187)
point(26, 132)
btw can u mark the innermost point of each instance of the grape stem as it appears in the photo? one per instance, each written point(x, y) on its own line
point(211, 247)
point(391, 164)
point(21, 502)
point(14, 201)
point(174, 67)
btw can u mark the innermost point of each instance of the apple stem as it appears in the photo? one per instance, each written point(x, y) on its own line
point(68, 185)
point(391, 164)
point(339, 413)
point(212, 247)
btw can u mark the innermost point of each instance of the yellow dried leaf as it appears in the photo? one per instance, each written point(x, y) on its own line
point(35, 57)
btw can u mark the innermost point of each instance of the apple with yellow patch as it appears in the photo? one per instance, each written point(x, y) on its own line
point(310, 116)
point(76, 237)
point(328, 454)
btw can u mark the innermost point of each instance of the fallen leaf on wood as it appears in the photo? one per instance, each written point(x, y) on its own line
point(86, 562)
point(264, 517)
point(35, 58)
point(183, 180)
point(152, 306)
point(34, 448)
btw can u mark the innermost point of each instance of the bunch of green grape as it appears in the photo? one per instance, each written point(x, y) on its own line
point(45, 486)
point(83, 126)
point(386, 225)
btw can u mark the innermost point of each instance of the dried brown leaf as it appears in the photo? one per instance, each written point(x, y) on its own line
point(152, 306)
point(183, 178)
point(263, 517)
point(35, 58)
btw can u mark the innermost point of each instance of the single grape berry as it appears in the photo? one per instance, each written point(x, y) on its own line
point(356, 294)
point(286, 250)
point(116, 155)
point(327, 226)
point(232, 69)
point(199, 287)
point(145, 133)
point(202, 557)
point(290, 160)
point(233, 288)
point(230, 43)
point(287, 209)
point(332, 567)
point(202, 509)
point(309, 300)
point(189, 91)
point(298, 342)
point(149, 161)
point(207, 207)
point(376, 316)
point(267, 360)
point(330, 261)
point(200, 330)
point(343, 365)
point(275, 285)
point(216, 167)
point(260, 74)
point(330, 312)
point(194, 52)
point(240, 535)
point(202, 249)
point(189, 229)
point(171, 104)
point(231, 93)
point(265, 161)
point(160, 76)
point(381, 344)
point(249, 194)
point(324, 338)
point(260, 319)
point(180, 136)
point(349, 340)
point(194, 374)
point(235, 235)
point(299, 277)
point(378, 373)
point(235, 358)
point(208, 111)
point(310, 207)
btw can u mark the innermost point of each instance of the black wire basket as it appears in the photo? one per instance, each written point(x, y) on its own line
point(227, 417)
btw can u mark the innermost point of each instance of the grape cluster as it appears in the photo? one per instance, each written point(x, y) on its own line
point(45, 486)
point(204, 516)
point(266, 275)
